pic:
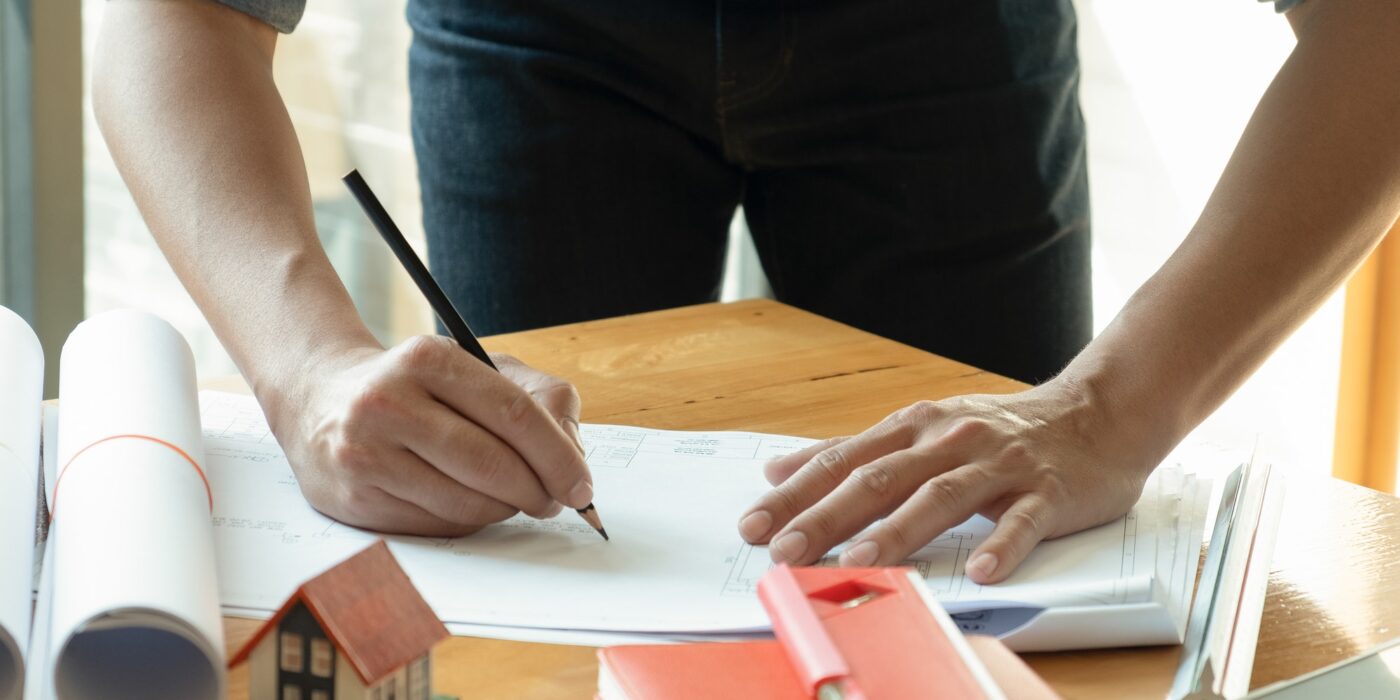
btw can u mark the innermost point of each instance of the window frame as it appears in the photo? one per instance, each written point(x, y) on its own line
point(318, 644)
point(419, 679)
point(291, 642)
point(41, 166)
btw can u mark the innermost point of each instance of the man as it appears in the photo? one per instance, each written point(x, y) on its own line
point(917, 157)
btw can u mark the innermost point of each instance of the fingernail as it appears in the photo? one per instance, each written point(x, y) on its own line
point(863, 554)
point(983, 565)
point(755, 525)
point(791, 546)
point(581, 495)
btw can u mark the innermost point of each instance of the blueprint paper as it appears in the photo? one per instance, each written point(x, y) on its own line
point(133, 577)
point(39, 685)
point(676, 565)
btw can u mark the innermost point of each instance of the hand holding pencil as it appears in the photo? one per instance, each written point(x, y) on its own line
point(422, 438)
point(565, 478)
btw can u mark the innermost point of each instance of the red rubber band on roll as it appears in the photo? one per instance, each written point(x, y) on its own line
point(132, 436)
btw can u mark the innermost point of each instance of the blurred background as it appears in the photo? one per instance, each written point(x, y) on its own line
point(1166, 93)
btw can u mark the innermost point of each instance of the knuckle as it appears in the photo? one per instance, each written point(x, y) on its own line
point(351, 456)
point(355, 504)
point(919, 411)
point(504, 358)
point(819, 523)
point(966, 430)
point(876, 480)
point(422, 350)
point(371, 399)
point(784, 501)
point(898, 535)
point(1022, 522)
point(479, 512)
point(823, 445)
point(463, 510)
point(941, 493)
point(830, 465)
point(1055, 490)
point(556, 390)
point(489, 466)
point(515, 414)
point(1016, 453)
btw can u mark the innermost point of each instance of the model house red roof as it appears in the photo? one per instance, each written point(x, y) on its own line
point(369, 609)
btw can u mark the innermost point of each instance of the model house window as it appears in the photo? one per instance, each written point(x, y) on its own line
point(321, 657)
point(418, 679)
point(291, 653)
point(291, 692)
point(320, 695)
point(390, 689)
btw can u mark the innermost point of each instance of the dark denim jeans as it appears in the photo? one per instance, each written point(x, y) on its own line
point(914, 168)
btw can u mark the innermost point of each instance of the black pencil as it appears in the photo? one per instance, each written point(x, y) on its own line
point(442, 306)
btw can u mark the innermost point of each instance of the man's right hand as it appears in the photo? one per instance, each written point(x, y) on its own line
point(425, 439)
point(421, 438)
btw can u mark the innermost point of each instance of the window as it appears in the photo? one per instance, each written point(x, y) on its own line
point(1153, 161)
point(320, 695)
point(322, 657)
point(418, 682)
point(291, 692)
point(291, 653)
point(344, 76)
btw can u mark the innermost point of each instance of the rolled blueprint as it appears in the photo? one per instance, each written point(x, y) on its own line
point(21, 394)
point(135, 607)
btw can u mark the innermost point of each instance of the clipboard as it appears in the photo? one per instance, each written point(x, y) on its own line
point(1218, 649)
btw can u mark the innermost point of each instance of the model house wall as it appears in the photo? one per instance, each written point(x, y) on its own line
point(361, 619)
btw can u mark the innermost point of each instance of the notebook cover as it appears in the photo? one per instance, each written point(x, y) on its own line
point(760, 670)
point(702, 671)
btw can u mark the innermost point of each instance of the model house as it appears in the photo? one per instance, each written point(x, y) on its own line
point(359, 631)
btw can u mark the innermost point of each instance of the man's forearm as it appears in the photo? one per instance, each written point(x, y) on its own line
point(184, 95)
point(1311, 188)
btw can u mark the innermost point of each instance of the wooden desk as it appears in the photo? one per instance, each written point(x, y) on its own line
point(763, 366)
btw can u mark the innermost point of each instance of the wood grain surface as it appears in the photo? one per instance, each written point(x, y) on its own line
point(762, 366)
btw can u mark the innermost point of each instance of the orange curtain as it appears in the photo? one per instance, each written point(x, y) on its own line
point(1368, 402)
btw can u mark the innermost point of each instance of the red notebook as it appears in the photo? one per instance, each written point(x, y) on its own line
point(872, 634)
point(711, 671)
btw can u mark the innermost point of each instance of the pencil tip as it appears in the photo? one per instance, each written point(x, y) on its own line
point(590, 516)
point(604, 532)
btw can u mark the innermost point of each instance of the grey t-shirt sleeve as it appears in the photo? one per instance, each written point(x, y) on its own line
point(283, 15)
point(1284, 5)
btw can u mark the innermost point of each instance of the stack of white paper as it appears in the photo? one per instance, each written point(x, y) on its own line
point(676, 566)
